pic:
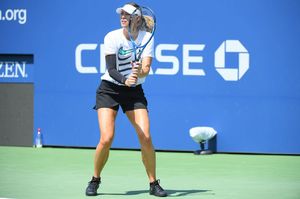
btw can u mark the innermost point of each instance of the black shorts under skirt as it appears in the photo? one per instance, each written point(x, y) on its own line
point(110, 95)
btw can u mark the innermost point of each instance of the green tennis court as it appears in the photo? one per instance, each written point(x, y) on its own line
point(64, 173)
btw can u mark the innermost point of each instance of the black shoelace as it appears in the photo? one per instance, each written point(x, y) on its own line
point(157, 186)
point(94, 183)
point(160, 189)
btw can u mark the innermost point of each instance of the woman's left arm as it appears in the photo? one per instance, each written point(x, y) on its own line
point(145, 67)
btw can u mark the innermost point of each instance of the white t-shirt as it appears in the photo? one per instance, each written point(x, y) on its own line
point(116, 43)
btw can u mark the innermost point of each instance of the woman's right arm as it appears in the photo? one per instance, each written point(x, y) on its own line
point(115, 74)
point(111, 65)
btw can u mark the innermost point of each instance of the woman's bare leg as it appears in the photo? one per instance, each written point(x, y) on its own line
point(140, 120)
point(106, 118)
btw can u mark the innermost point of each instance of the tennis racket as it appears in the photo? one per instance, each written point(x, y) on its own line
point(145, 22)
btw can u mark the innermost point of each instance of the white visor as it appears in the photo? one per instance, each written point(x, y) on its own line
point(129, 9)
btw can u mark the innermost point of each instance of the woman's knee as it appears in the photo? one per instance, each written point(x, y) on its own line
point(106, 141)
point(145, 140)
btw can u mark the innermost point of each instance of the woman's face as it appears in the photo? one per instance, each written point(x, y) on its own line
point(124, 19)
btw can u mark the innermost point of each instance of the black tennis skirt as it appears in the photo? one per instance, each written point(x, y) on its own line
point(110, 95)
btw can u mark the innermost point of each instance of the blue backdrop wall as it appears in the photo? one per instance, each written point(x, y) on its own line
point(232, 65)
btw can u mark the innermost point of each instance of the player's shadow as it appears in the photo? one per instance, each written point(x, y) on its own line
point(171, 192)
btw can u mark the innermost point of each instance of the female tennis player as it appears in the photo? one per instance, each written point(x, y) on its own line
point(121, 85)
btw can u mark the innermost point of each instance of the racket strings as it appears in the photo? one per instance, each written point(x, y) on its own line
point(134, 27)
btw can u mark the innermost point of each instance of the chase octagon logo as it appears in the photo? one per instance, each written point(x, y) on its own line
point(232, 46)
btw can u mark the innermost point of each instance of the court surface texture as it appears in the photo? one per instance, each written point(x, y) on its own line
point(64, 173)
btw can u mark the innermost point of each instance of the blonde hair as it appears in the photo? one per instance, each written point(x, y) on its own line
point(148, 23)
